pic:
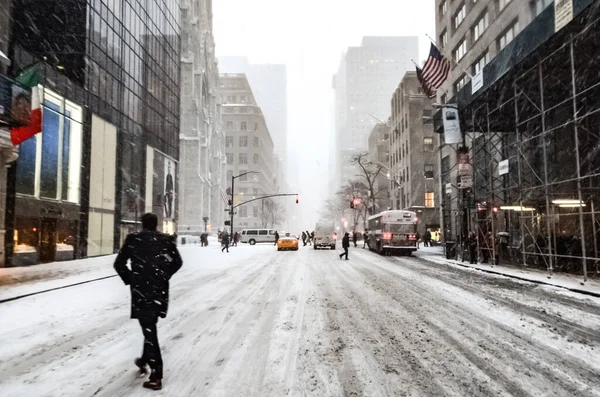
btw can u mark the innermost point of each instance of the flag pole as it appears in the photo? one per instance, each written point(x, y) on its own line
point(449, 56)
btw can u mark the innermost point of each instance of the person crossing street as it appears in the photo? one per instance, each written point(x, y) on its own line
point(154, 259)
point(225, 242)
point(345, 245)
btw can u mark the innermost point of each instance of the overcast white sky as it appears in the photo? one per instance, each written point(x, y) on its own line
point(309, 36)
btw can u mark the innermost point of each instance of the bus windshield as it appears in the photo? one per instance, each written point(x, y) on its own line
point(399, 228)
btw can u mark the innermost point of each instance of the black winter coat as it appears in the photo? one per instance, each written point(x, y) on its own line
point(154, 260)
point(346, 242)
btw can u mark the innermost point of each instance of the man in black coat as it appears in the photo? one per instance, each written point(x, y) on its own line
point(225, 242)
point(276, 237)
point(345, 245)
point(154, 260)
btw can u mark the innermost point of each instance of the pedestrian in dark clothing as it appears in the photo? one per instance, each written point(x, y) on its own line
point(427, 239)
point(236, 238)
point(366, 238)
point(354, 238)
point(308, 237)
point(304, 238)
point(276, 237)
point(154, 260)
point(472, 241)
point(225, 242)
point(345, 245)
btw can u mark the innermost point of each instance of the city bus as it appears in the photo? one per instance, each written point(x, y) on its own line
point(393, 231)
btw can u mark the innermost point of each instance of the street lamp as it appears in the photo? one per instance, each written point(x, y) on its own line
point(233, 178)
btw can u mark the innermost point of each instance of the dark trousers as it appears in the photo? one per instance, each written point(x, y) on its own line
point(344, 253)
point(225, 247)
point(151, 353)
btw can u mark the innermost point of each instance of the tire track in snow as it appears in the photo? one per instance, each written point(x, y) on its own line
point(475, 330)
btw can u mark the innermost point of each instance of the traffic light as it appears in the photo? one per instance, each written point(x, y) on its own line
point(297, 198)
point(356, 202)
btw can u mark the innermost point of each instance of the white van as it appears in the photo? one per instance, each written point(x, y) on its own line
point(325, 235)
point(253, 236)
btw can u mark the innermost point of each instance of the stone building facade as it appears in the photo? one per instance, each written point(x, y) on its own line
point(413, 154)
point(249, 148)
point(202, 143)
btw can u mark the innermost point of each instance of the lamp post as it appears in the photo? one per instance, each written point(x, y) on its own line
point(233, 178)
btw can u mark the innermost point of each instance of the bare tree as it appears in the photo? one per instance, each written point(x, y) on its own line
point(355, 190)
point(369, 173)
point(271, 213)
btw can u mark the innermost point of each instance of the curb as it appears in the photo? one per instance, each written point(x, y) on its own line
point(14, 298)
point(489, 271)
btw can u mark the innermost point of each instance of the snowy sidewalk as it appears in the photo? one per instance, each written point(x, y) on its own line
point(560, 280)
point(27, 280)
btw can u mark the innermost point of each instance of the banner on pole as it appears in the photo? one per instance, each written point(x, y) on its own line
point(452, 133)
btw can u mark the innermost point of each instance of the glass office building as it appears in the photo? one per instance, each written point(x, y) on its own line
point(109, 147)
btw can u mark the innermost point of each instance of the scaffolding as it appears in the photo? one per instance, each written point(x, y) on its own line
point(543, 117)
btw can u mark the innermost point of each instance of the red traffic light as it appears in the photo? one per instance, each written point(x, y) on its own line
point(356, 201)
point(297, 198)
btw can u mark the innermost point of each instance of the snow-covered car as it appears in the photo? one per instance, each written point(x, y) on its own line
point(287, 243)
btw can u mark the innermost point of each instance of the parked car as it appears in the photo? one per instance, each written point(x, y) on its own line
point(253, 236)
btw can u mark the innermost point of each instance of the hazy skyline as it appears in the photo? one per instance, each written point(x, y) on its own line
point(310, 37)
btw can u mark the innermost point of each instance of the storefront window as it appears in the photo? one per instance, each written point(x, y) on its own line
point(49, 164)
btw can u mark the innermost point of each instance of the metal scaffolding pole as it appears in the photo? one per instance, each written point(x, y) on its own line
point(492, 195)
point(520, 173)
point(578, 165)
point(546, 187)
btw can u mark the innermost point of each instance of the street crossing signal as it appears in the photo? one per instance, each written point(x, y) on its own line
point(297, 198)
point(351, 205)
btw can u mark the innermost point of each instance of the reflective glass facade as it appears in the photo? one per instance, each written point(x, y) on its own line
point(114, 59)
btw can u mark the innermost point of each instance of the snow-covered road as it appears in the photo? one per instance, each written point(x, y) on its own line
point(258, 322)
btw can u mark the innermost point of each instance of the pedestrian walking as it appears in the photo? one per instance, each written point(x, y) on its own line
point(276, 237)
point(427, 239)
point(366, 238)
point(345, 245)
point(236, 238)
point(154, 260)
point(354, 238)
point(304, 238)
point(225, 242)
point(308, 237)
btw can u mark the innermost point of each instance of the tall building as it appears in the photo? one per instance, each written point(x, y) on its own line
point(249, 148)
point(109, 147)
point(413, 155)
point(367, 77)
point(203, 166)
point(472, 33)
point(269, 86)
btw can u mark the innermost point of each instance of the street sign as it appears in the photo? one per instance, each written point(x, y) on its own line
point(465, 182)
point(503, 167)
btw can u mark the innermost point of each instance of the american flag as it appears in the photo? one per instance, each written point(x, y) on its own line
point(434, 72)
point(224, 196)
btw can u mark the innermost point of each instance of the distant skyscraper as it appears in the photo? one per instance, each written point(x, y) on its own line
point(269, 86)
point(365, 81)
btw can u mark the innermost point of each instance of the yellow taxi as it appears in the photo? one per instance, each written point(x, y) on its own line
point(287, 242)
